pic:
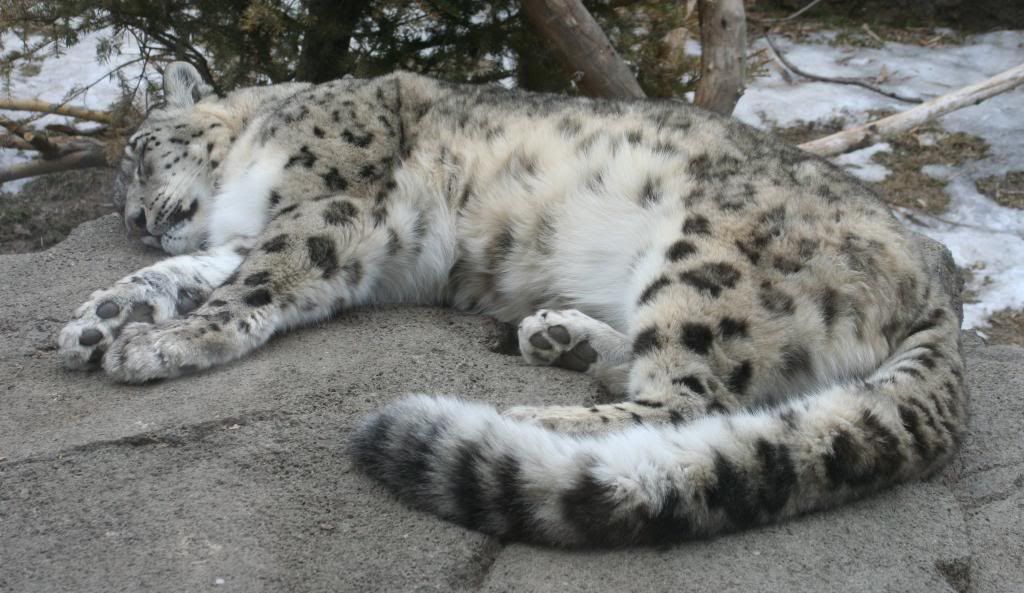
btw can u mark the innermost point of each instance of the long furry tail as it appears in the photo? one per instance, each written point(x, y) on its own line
point(468, 464)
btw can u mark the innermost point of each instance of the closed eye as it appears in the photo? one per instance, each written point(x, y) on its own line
point(140, 169)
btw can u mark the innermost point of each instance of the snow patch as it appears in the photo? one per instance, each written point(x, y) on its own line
point(859, 162)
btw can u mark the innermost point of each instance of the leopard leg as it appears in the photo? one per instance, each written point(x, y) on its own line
point(719, 339)
point(313, 260)
point(170, 288)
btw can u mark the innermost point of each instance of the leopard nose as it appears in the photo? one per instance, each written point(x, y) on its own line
point(137, 224)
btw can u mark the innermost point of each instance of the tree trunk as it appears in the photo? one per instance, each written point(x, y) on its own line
point(723, 38)
point(325, 48)
point(582, 47)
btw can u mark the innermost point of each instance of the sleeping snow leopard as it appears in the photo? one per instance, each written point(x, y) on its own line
point(773, 332)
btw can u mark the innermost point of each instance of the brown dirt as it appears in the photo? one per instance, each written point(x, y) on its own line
point(1007, 190)
point(966, 16)
point(807, 131)
point(907, 185)
point(970, 295)
point(1006, 327)
point(50, 207)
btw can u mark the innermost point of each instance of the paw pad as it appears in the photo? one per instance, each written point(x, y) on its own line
point(83, 342)
point(579, 358)
point(559, 334)
point(558, 338)
point(107, 309)
point(90, 337)
point(141, 312)
point(540, 342)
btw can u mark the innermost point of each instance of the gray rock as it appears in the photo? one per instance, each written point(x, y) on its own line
point(236, 479)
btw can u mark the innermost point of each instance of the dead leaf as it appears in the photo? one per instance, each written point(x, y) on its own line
point(883, 75)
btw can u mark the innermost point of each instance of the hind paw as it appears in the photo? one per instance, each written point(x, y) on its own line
point(558, 338)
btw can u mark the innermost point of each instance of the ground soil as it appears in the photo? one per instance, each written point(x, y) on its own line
point(1006, 327)
point(1006, 190)
point(907, 185)
point(50, 206)
point(970, 16)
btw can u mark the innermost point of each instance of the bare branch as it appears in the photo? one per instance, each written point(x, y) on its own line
point(85, 159)
point(42, 144)
point(48, 147)
point(38, 106)
point(583, 47)
point(723, 40)
point(791, 17)
point(73, 131)
point(875, 131)
point(14, 141)
point(836, 80)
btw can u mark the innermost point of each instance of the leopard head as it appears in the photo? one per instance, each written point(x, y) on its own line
point(169, 172)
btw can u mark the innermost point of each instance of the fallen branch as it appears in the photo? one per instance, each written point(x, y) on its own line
point(14, 141)
point(55, 146)
point(49, 147)
point(878, 130)
point(832, 79)
point(83, 159)
point(56, 108)
point(42, 143)
point(73, 131)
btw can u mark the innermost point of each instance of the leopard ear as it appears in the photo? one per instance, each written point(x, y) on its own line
point(183, 86)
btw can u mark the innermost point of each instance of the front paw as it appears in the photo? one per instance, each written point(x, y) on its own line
point(146, 352)
point(97, 324)
point(99, 321)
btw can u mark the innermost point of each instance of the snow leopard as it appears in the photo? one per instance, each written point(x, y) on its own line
point(772, 334)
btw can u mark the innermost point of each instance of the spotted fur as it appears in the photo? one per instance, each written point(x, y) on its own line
point(777, 338)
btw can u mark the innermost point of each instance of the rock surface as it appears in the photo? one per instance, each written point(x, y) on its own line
point(236, 479)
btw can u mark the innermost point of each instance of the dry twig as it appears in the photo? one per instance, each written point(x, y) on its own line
point(837, 80)
point(791, 17)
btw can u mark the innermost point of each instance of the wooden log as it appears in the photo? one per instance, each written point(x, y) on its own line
point(876, 131)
